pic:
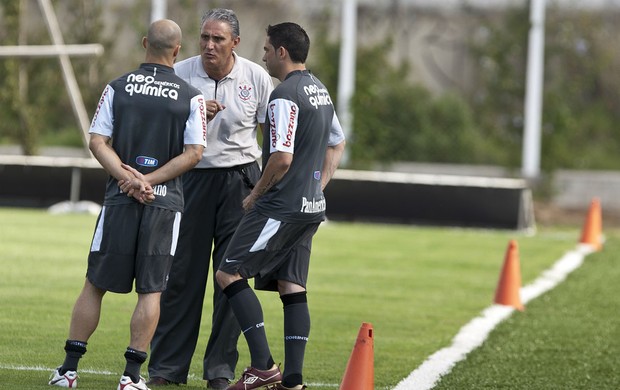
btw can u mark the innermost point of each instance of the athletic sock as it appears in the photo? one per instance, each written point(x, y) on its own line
point(249, 313)
point(134, 362)
point(296, 331)
point(74, 350)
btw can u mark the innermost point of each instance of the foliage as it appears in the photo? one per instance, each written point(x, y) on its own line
point(396, 120)
point(582, 102)
point(497, 99)
point(21, 119)
point(34, 104)
point(581, 99)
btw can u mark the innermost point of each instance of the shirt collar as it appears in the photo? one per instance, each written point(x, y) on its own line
point(162, 68)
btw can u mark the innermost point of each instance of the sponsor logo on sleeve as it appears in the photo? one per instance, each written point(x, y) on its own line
point(272, 126)
point(103, 95)
point(203, 117)
point(290, 128)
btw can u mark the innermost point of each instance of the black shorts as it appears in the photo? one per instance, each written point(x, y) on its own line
point(270, 250)
point(133, 241)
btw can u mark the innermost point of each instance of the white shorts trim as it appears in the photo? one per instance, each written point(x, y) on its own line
point(270, 229)
point(96, 244)
point(175, 233)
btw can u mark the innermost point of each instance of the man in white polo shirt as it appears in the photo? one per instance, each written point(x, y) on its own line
point(236, 92)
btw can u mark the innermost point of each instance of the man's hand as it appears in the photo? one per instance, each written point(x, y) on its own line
point(137, 186)
point(213, 107)
point(248, 202)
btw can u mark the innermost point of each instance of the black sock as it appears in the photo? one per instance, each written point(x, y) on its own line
point(249, 313)
point(74, 350)
point(134, 362)
point(296, 331)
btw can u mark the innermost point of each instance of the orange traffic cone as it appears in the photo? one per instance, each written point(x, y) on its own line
point(507, 292)
point(592, 231)
point(360, 371)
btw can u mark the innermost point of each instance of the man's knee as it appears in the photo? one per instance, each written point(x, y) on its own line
point(285, 287)
point(225, 279)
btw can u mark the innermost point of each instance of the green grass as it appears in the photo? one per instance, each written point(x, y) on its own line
point(567, 339)
point(417, 286)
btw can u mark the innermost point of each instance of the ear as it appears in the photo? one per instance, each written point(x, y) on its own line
point(144, 42)
point(236, 42)
point(175, 53)
point(281, 52)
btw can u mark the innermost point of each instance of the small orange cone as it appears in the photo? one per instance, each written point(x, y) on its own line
point(507, 292)
point(360, 371)
point(592, 232)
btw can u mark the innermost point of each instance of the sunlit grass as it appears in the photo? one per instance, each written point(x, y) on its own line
point(416, 285)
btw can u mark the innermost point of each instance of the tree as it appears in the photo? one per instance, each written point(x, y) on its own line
point(396, 120)
point(581, 96)
point(20, 119)
point(34, 104)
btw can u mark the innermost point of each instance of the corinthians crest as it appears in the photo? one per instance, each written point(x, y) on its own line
point(245, 91)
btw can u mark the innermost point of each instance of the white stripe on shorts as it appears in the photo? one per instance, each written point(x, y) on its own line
point(175, 233)
point(96, 244)
point(270, 229)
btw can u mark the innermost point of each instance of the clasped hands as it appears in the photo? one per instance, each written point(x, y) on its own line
point(136, 186)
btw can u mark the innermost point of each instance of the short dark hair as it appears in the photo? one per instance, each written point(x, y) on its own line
point(291, 37)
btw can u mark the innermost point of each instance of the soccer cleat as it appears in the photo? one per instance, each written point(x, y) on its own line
point(256, 379)
point(127, 383)
point(68, 379)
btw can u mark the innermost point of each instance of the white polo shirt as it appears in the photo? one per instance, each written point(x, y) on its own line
point(231, 135)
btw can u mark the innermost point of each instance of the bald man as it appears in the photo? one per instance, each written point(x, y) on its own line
point(149, 128)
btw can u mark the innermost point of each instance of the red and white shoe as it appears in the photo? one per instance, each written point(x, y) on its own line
point(126, 383)
point(256, 379)
point(68, 379)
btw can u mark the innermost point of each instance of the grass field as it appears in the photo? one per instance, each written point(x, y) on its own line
point(417, 286)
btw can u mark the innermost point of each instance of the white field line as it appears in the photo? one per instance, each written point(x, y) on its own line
point(473, 334)
point(49, 369)
point(103, 372)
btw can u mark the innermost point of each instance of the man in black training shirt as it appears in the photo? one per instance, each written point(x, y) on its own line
point(150, 127)
point(301, 151)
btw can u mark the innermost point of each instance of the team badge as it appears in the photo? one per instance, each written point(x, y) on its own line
point(245, 91)
point(317, 175)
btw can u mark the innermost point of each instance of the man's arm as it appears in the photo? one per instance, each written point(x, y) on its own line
point(100, 146)
point(177, 166)
point(277, 166)
point(107, 157)
point(173, 168)
point(331, 162)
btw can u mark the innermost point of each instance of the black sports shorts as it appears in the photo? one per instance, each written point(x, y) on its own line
point(133, 242)
point(269, 250)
